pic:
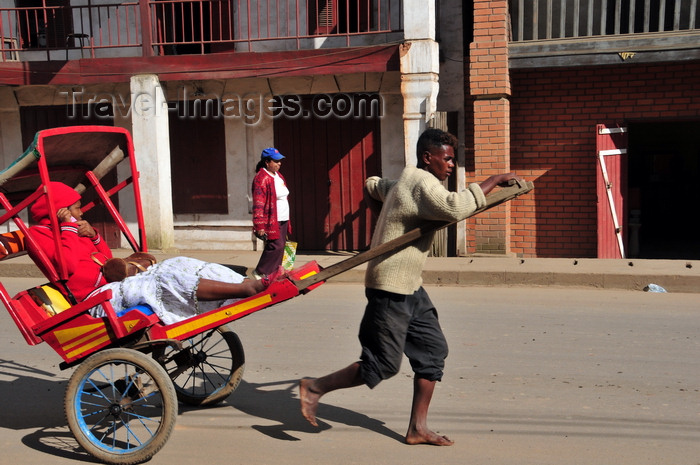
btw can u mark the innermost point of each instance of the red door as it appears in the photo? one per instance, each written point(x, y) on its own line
point(328, 160)
point(611, 148)
point(198, 158)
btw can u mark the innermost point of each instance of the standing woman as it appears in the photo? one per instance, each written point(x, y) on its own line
point(270, 211)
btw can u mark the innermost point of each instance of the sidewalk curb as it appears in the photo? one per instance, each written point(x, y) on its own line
point(621, 274)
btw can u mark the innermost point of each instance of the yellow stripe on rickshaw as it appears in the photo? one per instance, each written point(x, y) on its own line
point(80, 342)
point(64, 336)
point(217, 316)
point(87, 347)
point(307, 275)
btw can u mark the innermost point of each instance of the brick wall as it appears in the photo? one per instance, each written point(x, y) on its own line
point(489, 86)
point(553, 114)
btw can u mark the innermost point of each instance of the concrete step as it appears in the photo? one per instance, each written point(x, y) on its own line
point(216, 239)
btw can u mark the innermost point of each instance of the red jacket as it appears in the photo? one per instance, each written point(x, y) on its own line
point(84, 275)
point(265, 205)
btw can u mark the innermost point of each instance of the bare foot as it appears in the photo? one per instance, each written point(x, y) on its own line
point(309, 400)
point(428, 437)
point(258, 285)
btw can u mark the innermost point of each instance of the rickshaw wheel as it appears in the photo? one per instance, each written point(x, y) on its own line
point(208, 368)
point(121, 406)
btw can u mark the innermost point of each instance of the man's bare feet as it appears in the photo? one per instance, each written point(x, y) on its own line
point(309, 400)
point(428, 437)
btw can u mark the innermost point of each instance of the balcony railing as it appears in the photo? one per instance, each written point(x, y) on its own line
point(559, 19)
point(166, 27)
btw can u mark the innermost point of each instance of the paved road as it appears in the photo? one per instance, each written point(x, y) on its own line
point(535, 376)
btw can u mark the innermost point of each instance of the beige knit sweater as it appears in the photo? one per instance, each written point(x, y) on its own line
point(417, 196)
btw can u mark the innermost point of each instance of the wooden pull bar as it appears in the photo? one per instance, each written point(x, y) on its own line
point(498, 197)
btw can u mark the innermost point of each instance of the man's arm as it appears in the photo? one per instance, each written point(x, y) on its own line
point(497, 180)
point(375, 191)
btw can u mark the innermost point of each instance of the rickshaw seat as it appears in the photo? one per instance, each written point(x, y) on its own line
point(43, 302)
point(33, 320)
point(48, 297)
point(53, 302)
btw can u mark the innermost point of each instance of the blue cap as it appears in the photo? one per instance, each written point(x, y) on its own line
point(272, 153)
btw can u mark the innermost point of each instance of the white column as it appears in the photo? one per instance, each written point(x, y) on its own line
point(419, 87)
point(149, 118)
point(418, 19)
point(420, 67)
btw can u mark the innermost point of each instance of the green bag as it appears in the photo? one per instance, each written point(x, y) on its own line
point(290, 254)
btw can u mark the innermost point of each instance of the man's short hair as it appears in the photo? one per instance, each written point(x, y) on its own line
point(433, 138)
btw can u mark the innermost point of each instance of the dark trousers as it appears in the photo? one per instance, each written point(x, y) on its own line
point(396, 324)
point(272, 254)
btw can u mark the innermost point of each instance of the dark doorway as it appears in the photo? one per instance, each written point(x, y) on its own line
point(664, 162)
point(198, 158)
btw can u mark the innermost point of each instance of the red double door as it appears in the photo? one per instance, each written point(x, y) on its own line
point(328, 160)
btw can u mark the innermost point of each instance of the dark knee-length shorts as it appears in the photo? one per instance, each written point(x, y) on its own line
point(397, 324)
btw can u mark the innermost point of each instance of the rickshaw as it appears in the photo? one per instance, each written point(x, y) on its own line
point(121, 402)
point(131, 369)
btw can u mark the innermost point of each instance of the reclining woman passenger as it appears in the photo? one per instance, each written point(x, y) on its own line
point(176, 288)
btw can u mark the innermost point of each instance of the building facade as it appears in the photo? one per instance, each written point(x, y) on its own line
point(598, 103)
point(595, 101)
point(342, 88)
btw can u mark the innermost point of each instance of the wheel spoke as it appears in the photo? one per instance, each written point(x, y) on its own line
point(207, 369)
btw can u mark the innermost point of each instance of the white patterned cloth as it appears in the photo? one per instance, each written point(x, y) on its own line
point(169, 288)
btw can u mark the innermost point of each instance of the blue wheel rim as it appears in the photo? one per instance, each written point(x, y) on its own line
point(118, 407)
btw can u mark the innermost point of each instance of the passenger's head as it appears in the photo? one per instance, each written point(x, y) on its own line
point(63, 197)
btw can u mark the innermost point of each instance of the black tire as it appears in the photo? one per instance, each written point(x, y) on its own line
point(208, 368)
point(121, 406)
